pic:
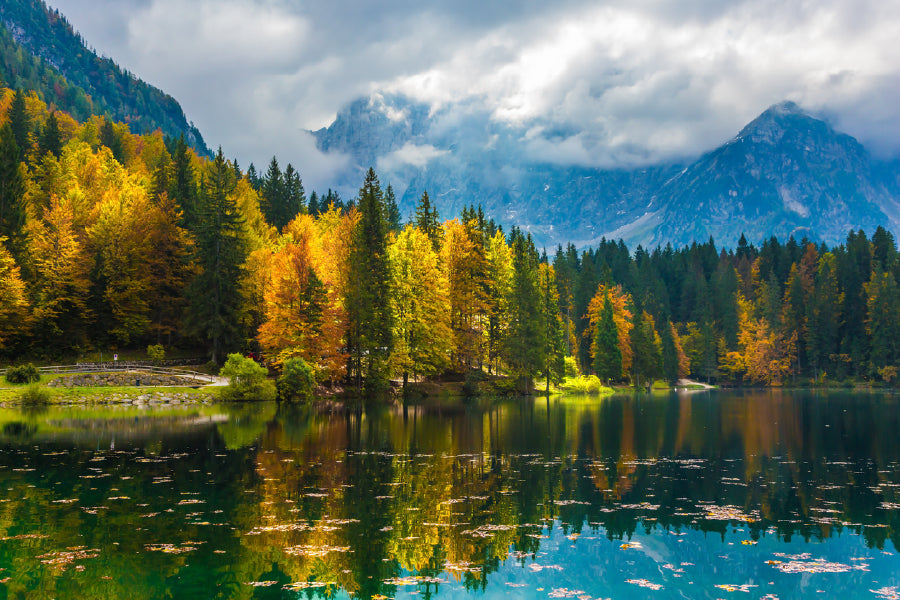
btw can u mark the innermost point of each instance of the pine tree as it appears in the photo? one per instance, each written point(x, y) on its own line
point(294, 201)
point(426, 218)
point(50, 137)
point(526, 339)
point(183, 184)
point(607, 356)
point(391, 210)
point(12, 192)
point(553, 366)
point(272, 192)
point(214, 296)
point(368, 302)
point(883, 322)
point(313, 209)
point(20, 122)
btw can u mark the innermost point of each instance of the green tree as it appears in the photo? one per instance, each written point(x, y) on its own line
point(526, 339)
point(51, 141)
point(19, 122)
point(12, 193)
point(607, 357)
point(426, 218)
point(646, 362)
point(214, 296)
point(883, 322)
point(553, 366)
point(247, 378)
point(391, 210)
point(368, 301)
point(184, 189)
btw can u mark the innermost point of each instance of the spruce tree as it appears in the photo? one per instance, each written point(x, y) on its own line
point(426, 218)
point(313, 208)
point(608, 356)
point(20, 122)
point(525, 341)
point(368, 300)
point(183, 185)
point(12, 192)
point(272, 192)
point(214, 296)
point(50, 137)
point(293, 200)
point(391, 210)
point(553, 364)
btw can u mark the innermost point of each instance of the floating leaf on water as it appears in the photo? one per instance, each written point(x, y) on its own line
point(819, 565)
point(260, 583)
point(731, 587)
point(302, 585)
point(536, 568)
point(629, 545)
point(644, 584)
point(749, 542)
point(315, 551)
point(887, 593)
point(412, 580)
point(169, 548)
point(565, 593)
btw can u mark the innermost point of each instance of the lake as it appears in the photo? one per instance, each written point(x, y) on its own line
point(706, 495)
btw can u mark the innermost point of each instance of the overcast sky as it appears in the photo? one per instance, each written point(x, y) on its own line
point(641, 80)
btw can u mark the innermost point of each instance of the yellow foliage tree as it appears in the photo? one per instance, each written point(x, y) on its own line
point(422, 335)
point(13, 301)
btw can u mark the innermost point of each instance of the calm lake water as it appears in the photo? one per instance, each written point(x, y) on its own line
point(710, 495)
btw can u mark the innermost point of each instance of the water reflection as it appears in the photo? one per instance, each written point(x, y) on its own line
point(528, 498)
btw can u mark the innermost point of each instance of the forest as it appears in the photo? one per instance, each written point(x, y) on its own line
point(110, 239)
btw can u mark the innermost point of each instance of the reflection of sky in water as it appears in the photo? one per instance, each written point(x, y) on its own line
point(766, 495)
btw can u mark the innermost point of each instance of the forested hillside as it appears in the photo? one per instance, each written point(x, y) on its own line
point(114, 240)
point(40, 51)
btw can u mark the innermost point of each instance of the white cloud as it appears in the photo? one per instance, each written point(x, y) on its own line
point(628, 81)
point(409, 155)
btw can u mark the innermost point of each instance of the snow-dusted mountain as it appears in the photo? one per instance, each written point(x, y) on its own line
point(786, 172)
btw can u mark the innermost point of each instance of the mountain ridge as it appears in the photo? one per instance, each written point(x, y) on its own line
point(784, 173)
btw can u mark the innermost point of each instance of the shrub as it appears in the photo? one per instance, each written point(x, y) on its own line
point(297, 380)
point(34, 394)
point(472, 385)
point(247, 380)
point(23, 374)
point(589, 384)
point(156, 352)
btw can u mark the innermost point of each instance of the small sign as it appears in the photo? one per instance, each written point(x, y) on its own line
point(115, 357)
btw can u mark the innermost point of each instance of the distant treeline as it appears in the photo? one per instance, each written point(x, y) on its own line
point(109, 239)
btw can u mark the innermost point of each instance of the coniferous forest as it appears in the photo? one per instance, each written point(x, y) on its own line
point(115, 240)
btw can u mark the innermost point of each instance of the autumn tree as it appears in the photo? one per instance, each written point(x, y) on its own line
point(426, 218)
point(421, 309)
point(13, 299)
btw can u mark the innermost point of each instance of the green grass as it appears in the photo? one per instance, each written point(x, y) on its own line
point(56, 395)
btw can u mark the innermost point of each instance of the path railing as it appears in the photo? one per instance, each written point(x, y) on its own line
point(106, 367)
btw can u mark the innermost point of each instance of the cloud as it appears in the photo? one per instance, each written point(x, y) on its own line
point(621, 82)
point(409, 155)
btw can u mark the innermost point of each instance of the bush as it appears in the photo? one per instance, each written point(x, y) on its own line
point(23, 374)
point(472, 385)
point(156, 352)
point(589, 384)
point(297, 380)
point(34, 394)
point(247, 380)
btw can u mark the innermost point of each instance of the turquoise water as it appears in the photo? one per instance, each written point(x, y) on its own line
point(710, 495)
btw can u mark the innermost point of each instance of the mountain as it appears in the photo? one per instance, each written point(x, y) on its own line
point(785, 173)
point(40, 51)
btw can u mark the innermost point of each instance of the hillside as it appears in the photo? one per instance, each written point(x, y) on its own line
point(41, 51)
